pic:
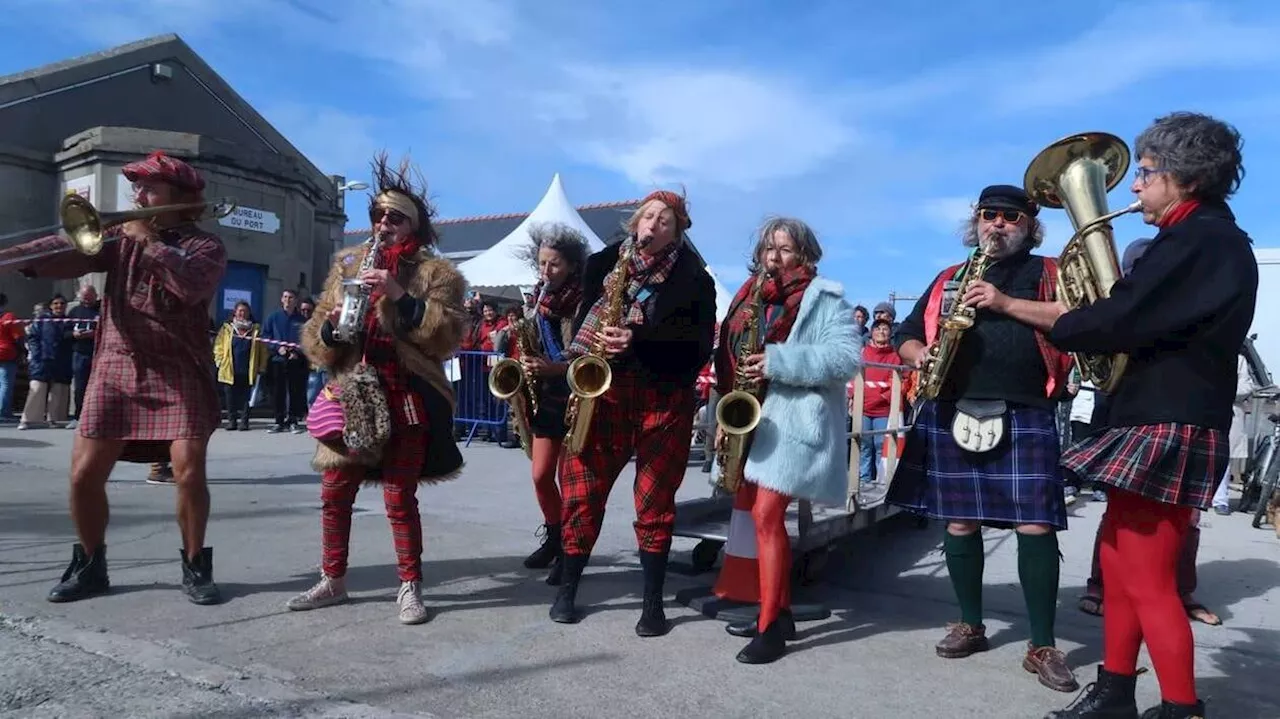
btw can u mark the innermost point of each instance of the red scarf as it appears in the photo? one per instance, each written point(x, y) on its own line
point(781, 296)
point(1178, 213)
point(561, 302)
point(391, 256)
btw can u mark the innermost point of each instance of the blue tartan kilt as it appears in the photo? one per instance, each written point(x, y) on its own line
point(1018, 482)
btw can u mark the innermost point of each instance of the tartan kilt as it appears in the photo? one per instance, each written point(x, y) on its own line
point(1171, 463)
point(1018, 482)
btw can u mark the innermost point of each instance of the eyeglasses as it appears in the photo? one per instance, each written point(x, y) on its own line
point(393, 218)
point(1010, 216)
point(1143, 174)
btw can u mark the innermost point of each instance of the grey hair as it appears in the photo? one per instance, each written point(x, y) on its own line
point(1201, 152)
point(969, 232)
point(558, 236)
point(799, 232)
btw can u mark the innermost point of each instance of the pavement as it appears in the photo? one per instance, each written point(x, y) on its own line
point(491, 651)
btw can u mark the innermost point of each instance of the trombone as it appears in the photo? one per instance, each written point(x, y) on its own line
point(84, 227)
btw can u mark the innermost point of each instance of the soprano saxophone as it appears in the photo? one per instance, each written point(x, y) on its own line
point(951, 329)
point(355, 298)
point(590, 375)
point(738, 412)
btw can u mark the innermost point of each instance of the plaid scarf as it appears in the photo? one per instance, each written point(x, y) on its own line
point(781, 297)
point(405, 404)
point(561, 302)
point(645, 272)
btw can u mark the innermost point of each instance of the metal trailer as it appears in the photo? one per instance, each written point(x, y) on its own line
point(813, 529)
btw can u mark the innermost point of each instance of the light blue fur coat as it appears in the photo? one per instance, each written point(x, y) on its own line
point(800, 445)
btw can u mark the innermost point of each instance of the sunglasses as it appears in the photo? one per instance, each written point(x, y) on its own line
point(393, 218)
point(1010, 216)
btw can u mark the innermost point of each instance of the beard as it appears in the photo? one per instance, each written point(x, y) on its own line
point(1000, 244)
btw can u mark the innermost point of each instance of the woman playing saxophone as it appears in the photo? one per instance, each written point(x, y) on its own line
point(811, 349)
point(560, 253)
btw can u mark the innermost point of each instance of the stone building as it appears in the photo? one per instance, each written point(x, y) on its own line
point(71, 126)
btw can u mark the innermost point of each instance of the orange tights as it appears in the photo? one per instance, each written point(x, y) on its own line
point(546, 458)
point(773, 553)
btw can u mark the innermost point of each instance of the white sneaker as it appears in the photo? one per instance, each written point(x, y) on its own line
point(326, 593)
point(410, 602)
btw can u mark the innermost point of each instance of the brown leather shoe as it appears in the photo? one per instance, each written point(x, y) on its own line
point(963, 640)
point(1050, 664)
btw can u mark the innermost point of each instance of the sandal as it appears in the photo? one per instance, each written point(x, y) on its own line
point(1090, 604)
point(1200, 613)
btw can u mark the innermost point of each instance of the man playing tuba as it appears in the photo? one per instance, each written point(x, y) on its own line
point(984, 451)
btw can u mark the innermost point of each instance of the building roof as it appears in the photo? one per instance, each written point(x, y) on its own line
point(28, 85)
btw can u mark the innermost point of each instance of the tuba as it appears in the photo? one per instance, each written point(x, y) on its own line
point(1075, 174)
point(509, 380)
point(738, 412)
point(933, 373)
point(590, 375)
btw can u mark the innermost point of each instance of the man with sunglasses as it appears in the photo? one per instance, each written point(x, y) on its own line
point(984, 452)
point(151, 396)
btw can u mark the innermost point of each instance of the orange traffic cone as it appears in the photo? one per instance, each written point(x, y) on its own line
point(739, 579)
point(901, 441)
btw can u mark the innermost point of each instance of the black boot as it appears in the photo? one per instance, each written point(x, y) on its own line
point(786, 622)
point(231, 422)
point(244, 422)
point(563, 610)
point(543, 556)
point(1111, 697)
point(1169, 710)
point(85, 577)
point(197, 577)
point(653, 620)
point(767, 646)
point(556, 575)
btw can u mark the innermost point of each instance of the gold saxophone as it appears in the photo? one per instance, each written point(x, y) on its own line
point(590, 375)
point(951, 329)
point(509, 380)
point(738, 412)
point(1075, 174)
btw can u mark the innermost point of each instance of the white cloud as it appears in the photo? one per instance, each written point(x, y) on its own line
point(335, 141)
point(945, 214)
point(731, 276)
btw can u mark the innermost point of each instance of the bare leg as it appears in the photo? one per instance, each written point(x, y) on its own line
point(193, 492)
point(91, 463)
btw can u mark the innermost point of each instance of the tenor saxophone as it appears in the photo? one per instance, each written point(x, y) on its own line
point(510, 380)
point(738, 412)
point(951, 329)
point(590, 375)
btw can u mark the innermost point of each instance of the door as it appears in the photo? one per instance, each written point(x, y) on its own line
point(243, 281)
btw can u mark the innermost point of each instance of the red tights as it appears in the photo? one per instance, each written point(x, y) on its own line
point(546, 458)
point(773, 553)
point(1141, 540)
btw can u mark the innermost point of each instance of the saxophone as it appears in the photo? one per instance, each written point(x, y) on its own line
point(509, 380)
point(590, 375)
point(738, 412)
point(355, 299)
point(951, 329)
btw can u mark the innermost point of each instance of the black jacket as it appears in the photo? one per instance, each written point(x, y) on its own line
point(1182, 315)
point(675, 346)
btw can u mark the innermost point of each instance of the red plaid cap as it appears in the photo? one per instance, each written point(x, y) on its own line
point(675, 202)
point(159, 166)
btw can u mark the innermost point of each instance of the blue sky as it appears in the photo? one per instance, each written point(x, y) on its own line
point(878, 123)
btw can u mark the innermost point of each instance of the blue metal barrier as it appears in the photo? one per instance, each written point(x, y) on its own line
point(476, 406)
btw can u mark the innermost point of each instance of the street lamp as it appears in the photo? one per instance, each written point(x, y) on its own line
point(353, 186)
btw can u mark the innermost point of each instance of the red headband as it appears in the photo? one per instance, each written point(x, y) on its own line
point(675, 202)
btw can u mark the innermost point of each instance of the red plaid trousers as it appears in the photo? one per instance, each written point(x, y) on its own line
point(655, 424)
point(400, 470)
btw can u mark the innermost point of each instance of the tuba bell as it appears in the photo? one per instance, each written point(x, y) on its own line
point(1075, 174)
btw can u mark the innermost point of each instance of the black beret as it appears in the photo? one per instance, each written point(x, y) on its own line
point(1007, 197)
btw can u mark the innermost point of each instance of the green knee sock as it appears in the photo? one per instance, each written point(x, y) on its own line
point(1038, 571)
point(965, 558)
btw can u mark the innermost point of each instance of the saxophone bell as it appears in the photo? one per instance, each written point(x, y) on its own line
point(506, 378)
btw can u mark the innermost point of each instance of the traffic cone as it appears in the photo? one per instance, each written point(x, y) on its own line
point(739, 579)
point(899, 439)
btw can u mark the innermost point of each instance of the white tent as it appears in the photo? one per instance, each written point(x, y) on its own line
point(723, 297)
point(501, 265)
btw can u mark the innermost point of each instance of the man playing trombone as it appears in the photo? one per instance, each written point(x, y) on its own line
point(152, 396)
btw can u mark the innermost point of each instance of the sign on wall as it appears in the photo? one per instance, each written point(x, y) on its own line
point(249, 218)
point(230, 297)
point(82, 186)
point(124, 194)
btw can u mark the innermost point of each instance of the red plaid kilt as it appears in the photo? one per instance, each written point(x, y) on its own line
point(1171, 463)
point(653, 423)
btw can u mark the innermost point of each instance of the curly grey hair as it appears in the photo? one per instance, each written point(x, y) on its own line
point(1201, 152)
point(969, 231)
point(800, 233)
point(567, 241)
